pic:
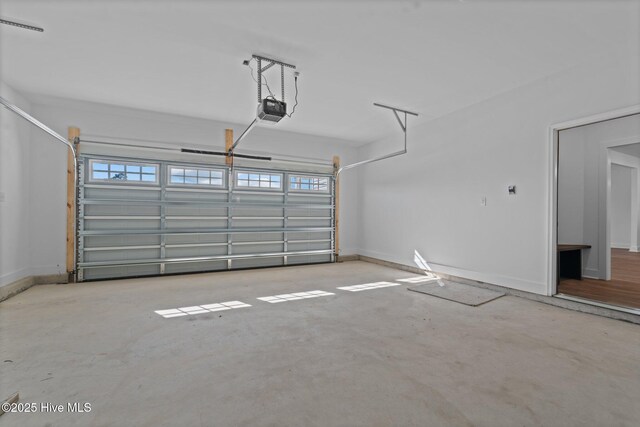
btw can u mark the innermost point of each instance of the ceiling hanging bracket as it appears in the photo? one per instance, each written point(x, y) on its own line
point(403, 126)
point(260, 69)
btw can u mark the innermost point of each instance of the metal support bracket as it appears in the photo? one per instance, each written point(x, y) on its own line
point(403, 125)
point(270, 63)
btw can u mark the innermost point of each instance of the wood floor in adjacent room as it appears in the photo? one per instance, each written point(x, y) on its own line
point(623, 289)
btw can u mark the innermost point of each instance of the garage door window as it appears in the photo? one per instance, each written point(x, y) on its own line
point(193, 176)
point(308, 183)
point(246, 180)
point(115, 171)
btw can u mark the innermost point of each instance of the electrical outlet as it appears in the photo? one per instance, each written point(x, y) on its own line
point(512, 190)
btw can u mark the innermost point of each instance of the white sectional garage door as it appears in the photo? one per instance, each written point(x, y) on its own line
point(139, 217)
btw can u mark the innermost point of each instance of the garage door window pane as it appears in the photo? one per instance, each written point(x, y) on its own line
point(177, 176)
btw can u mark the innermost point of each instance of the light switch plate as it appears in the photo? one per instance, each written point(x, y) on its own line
point(512, 190)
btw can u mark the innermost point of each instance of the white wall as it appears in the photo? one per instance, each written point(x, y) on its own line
point(620, 206)
point(14, 190)
point(48, 189)
point(571, 179)
point(429, 200)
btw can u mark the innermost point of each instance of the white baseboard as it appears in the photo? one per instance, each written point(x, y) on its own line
point(634, 248)
point(539, 288)
point(48, 270)
point(591, 273)
point(14, 276)
point(14, 288)
point(9, 289)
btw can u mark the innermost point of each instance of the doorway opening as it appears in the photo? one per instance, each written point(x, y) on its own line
point(597, 192)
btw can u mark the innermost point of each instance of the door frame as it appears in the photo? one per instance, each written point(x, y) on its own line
point(552, 220)
point(625, 161)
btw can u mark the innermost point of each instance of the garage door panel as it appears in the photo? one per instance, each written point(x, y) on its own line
point(257, 224)
point(182, 210)
point(326, 235)
point(309, 199)
point(195, 267)
point(184, 222)
point(117, 241)
point(308, 259)
point(194, 239)
point(120, 271)
point(309, 246)
point(253, 198)
point(112, 209)
point(256, 237)
point(116, 194)
point(194, 196)
point(263, 248)
point(118, 254)
point(257, 262)
point(239, 211)
point(216, 222)
point(313, 211)
point(198, 251)
point(311, 222)
point(131, 223)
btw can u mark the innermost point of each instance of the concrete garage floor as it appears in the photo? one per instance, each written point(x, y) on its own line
point(378, 357)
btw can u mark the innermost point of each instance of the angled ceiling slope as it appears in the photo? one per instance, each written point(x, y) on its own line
point(185, 57)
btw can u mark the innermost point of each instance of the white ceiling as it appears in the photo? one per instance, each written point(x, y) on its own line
point(184, 57)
